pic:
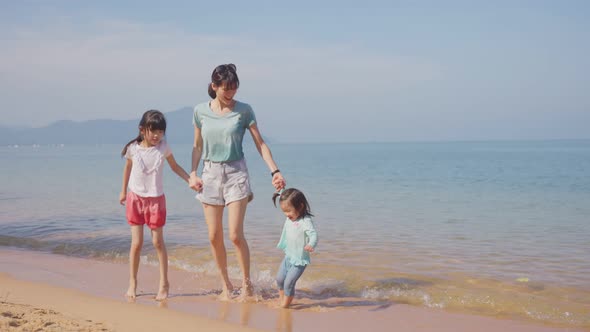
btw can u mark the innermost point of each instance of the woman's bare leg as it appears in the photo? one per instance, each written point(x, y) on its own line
point(236, 214)
point(214, 217)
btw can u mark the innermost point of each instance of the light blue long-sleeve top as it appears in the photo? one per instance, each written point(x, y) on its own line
point(296, 235)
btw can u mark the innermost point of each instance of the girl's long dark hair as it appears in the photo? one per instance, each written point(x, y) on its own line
point(151, 120)
point(226, 76)
point(296, 198)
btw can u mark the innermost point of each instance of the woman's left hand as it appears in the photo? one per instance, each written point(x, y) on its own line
point(278, 181)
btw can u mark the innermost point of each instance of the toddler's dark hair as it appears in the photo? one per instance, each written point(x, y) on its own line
point(151, 120)
point(296, 198)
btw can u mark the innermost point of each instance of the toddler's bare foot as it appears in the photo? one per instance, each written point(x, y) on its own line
point(281, 299)
point(163, 292)
point(287, 300)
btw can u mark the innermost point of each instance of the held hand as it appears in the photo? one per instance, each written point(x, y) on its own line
point(195, 182)
point(308, 248)
point(278, 181)
point(122, 197)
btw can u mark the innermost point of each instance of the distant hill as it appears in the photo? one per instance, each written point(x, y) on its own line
point(179, 131)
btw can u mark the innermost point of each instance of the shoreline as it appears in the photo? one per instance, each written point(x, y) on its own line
point(94, 290)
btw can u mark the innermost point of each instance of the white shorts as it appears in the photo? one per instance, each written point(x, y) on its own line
point(225, 182)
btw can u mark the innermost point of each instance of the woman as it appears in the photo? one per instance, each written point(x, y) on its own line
point(220, 125)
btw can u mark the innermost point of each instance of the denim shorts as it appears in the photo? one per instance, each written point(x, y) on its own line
point(225, 182)
point(288, 275)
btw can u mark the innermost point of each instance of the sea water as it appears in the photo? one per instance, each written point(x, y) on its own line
point(498, 228)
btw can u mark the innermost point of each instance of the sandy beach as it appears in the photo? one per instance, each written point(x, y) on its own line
point(30, 306)
point(46, 292)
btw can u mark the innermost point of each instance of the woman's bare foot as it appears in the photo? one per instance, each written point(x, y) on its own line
point(247, 290)
point(131, 295)
point(163, 292)
point(226, 293)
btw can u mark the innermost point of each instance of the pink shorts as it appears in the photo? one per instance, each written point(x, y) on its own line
point(150, 211)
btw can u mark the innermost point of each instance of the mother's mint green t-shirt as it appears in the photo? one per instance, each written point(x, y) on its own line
point(223, 134)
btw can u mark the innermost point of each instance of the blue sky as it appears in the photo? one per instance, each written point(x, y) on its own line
point(313, 71)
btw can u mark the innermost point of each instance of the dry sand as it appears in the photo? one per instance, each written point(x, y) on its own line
point(30, 306)
point(22, 317)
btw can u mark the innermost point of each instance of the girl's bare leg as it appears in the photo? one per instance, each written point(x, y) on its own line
point(158, 241)
point(236, 214)
point(213, 217)
point(134, 255)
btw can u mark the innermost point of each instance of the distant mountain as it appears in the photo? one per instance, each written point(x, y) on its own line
point(179, 131)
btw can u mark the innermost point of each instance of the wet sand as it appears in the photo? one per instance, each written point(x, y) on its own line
point(59, 293)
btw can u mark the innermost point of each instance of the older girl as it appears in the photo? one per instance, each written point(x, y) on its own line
point(143, 194)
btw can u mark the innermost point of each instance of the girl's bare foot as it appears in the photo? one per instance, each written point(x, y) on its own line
point(163, 292)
